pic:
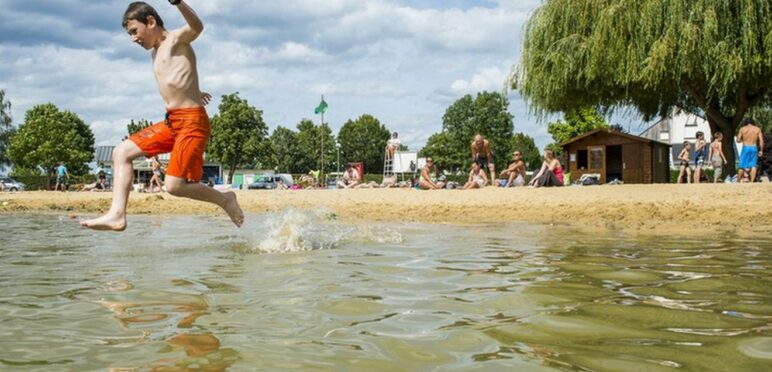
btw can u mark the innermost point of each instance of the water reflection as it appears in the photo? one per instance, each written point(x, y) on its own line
point(163, 315)
point(192, 293)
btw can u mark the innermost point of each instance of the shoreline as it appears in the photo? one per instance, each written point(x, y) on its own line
point(744, 209)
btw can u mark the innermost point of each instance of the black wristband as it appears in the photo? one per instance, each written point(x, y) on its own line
point(175, 2)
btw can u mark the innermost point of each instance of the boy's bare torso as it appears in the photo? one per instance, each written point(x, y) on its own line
point(174, 66)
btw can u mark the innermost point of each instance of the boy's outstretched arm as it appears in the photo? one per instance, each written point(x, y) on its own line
point(190, 31)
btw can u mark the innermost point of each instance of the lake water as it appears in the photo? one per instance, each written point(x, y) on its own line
point(304, 291)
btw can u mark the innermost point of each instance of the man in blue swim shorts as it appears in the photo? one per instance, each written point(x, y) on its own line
point(752, 140)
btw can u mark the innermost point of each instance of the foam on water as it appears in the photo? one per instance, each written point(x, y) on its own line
point(295, 231)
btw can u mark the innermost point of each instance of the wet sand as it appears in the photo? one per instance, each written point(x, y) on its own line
point(646, 209)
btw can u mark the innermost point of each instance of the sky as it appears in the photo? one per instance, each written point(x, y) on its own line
point(403, 62)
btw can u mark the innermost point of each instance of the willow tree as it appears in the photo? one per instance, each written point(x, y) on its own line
point(708, 56)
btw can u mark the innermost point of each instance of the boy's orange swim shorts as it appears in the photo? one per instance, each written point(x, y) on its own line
point(184, 133)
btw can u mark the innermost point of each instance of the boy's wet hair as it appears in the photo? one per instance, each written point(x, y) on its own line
point(748, 121)
point(139, 11)
point(687, 143)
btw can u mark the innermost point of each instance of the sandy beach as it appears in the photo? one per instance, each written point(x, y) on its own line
point(646, 209)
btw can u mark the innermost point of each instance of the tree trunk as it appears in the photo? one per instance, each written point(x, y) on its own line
point(231, 171)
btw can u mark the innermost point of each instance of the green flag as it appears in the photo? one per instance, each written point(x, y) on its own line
point(322, 108)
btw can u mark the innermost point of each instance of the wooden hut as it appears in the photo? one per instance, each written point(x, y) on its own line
point(618, 156)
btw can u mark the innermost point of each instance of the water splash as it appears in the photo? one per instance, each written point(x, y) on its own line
point(296, 231)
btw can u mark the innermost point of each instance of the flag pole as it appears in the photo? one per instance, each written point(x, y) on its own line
point(322, 180)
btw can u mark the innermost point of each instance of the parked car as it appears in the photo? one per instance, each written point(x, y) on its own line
point(12, 185)
point(270, 181)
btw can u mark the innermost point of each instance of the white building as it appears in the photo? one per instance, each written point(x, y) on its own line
point(676, 129)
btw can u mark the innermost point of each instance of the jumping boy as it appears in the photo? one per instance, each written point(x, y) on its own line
point(184, 132)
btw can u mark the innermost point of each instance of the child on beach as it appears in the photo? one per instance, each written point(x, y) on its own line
point(700, 156)
point(477, 178)
point(717, 157)
point(684, 158)
point(185, 130)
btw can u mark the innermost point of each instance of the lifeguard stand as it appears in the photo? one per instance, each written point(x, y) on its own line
point(403, 162)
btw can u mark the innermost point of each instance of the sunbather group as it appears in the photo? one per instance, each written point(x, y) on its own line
point(550, 173)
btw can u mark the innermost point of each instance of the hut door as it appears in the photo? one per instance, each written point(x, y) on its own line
point(633, 167)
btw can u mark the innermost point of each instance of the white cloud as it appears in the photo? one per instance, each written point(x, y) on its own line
point(490, 79)
point(297, 52)
point(399, 61)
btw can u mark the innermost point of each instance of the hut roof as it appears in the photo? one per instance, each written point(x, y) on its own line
point(606, 130)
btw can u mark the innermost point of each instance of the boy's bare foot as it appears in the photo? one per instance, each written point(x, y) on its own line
point(233, 208)
point(106, 223)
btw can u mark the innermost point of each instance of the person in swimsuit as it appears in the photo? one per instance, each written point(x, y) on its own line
point(185, 130)
point(515, 173)
point(350, 178)
point(155, 180)
point(477, 178)
point(700, 155)
point(429, 180)
point(753, 144)
point(101, 177)
point(483, 155)
point(684, 168)
point(551, 172)
point(716, 156)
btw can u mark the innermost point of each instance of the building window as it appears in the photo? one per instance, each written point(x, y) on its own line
point(596, 157)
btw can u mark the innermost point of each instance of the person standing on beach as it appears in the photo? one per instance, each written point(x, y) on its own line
point(700, 156)
point(716, 156)
point(753, 144)
point(684, 158)
point(155, 180)
point(483, 155)
point(516, 171)
point(185, 130)
point(61, 177)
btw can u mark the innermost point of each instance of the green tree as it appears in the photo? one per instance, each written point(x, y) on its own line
point(574, 123)
point(284, 152)
point(6, 129)
point(527, 147)
point(309, 147)
point(134, 127)
point(763, 116)
point(238, 136)
point(485, 114)
point(49, 136)
point(364, 139)
point(439, 147)
point(656, 55)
